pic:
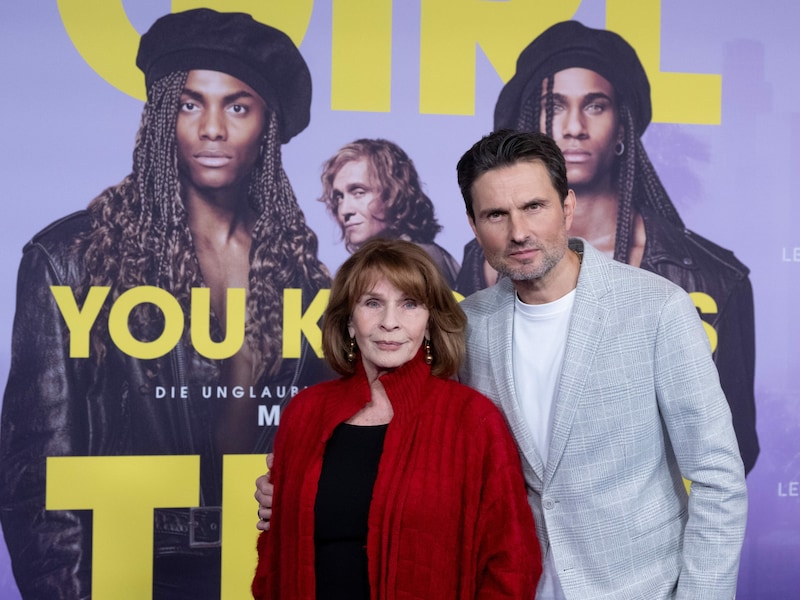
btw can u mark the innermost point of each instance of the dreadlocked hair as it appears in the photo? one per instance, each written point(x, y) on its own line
point(284, 251)
point(638, 184)
point(140, 236)
point(627, 188)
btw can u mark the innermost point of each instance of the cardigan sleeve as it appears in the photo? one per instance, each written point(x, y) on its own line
point(265, 581)
point(285, 567)
point(509, 557)
point(265, 585)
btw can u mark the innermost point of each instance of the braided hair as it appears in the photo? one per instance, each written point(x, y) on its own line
point(638, 185)
point(140, 235)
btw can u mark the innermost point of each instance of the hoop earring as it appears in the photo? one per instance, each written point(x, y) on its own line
point(619, 148)
point(351, 351)
point(428, 352)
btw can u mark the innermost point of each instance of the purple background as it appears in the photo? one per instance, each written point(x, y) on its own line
point(68, 134)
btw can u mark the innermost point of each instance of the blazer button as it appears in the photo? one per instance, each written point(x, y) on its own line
point(548, 504)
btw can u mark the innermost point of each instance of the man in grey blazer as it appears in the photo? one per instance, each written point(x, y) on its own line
point(605, 375)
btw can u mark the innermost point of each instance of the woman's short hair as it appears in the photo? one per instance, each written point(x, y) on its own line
point(410, 269)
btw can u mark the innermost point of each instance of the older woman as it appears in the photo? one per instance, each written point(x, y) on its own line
point(395, 481)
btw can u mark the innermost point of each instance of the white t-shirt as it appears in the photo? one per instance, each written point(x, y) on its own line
point(539, 339)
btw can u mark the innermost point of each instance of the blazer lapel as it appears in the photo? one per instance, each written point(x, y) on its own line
point(586, 327)
point(499, 332)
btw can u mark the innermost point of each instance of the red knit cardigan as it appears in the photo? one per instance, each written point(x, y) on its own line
point(449, 517)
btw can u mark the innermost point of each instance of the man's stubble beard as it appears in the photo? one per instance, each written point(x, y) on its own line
point(551, 256)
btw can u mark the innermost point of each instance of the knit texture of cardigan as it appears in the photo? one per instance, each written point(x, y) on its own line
point(449, 517)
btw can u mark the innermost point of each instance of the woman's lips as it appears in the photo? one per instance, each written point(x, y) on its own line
point(384, 345)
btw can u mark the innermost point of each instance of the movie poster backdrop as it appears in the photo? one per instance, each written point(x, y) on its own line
point(424, 74)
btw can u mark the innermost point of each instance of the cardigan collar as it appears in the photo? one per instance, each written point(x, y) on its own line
point(405, 388)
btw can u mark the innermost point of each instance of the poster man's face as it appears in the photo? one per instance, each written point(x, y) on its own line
point(519, 221)
point(359, 206)
point(220, 126)
point(585, 125)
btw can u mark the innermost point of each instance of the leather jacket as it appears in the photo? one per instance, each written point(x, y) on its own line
point(444, 260)
point(55, 405)
point(698, 266)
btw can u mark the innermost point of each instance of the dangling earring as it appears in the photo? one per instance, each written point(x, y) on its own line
point(351, 351)
point(619, 148)
point(428, 352)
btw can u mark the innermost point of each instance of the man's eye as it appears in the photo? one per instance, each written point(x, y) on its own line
point(238, 109)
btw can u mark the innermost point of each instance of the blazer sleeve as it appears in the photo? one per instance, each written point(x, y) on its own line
point(44, 414)
point(509, 558)
point(698, 422)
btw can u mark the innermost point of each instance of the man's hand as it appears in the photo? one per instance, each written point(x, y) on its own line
point(263, 496)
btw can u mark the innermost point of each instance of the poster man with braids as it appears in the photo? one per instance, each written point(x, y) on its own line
point(207, 218)
point(587, 89)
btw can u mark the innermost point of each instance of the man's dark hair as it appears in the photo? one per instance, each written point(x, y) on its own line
point(505, 148)
point(408, 211)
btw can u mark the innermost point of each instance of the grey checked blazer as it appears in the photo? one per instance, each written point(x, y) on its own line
point(638, 405)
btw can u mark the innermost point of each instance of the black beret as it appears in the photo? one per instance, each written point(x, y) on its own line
point(234, 43)
point(568, 45)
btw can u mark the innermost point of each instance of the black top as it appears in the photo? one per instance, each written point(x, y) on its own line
point(349, 470)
